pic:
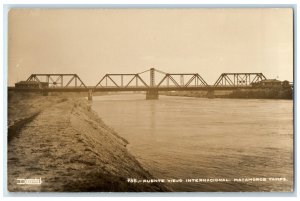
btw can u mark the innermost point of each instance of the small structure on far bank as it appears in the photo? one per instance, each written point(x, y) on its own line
point(31, 85)
point(272, 83)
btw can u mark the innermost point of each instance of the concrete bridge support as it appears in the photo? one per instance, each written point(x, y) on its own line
point(210, 93)
point(45, 93)
point(90, 95)
point(152, 95)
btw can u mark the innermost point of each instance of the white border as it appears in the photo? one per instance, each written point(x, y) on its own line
point(86, 3)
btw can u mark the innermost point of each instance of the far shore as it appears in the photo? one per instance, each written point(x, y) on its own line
point(237, 94)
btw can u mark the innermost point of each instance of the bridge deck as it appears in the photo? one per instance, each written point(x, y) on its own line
point(116, 89)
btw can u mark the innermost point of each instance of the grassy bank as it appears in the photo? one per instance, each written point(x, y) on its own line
point(63, 142)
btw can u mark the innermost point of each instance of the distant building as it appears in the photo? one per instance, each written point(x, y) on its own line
point(31, 84)
point(272, 83)
point(286, 83)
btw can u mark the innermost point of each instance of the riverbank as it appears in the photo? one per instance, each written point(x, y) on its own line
point(275, 93)
point(61, 141)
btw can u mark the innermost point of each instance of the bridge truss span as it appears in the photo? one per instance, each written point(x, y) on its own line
point(154, 79)
point(182, 80)
point(121, 80)
point(58, 80)
point(238, 79)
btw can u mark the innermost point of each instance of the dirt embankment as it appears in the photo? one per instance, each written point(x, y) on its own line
point(63, 142)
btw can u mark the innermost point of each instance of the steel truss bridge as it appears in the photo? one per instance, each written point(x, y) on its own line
point(135, 82)
point(151, 81)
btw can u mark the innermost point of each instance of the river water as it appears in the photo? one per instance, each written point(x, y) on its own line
point(198, 138)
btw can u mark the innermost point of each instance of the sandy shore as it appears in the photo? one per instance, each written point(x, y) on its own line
point(63, 142)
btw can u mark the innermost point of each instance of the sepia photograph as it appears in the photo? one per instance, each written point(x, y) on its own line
point(150, 99)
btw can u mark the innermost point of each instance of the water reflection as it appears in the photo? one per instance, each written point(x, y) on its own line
point(153, 116)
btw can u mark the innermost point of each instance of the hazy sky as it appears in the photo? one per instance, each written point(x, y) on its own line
point(93, 42)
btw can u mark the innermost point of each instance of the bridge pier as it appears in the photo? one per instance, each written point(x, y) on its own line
point(90, 95)
point(210, 93)
point(45, 93)
point(152, 95)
